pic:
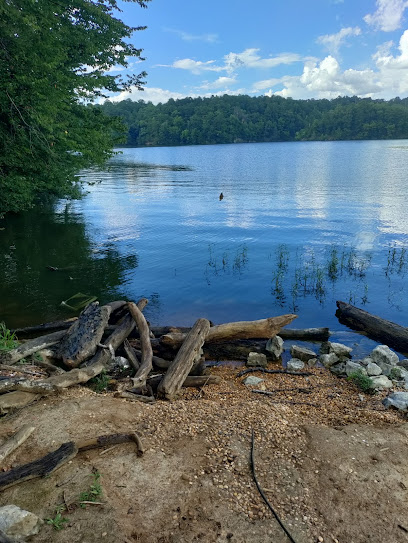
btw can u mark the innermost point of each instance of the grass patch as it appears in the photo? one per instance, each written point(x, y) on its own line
point(94, 492)
point(58, 521)
point(363, 382)
point(99, 383)
point(8, 339)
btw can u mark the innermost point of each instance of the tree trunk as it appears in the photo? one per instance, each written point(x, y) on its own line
point(379, 329)
point(305, 334)
point(264, 328)
point(182, 364)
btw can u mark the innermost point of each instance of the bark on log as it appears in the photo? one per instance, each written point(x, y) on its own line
point(81, 340)
point(186, 356)
point(31, 347)
point(147, 352)
point(264, 328)
point(379, 329)
point(26, 385)
point(15, 441)
point(16, 400)
point(131, 355)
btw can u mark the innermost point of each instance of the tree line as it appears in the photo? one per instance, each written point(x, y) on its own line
point(238, 119)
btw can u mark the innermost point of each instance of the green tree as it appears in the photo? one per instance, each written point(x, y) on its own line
point(55, 57)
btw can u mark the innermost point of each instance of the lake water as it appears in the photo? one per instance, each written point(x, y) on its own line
point(300, 226)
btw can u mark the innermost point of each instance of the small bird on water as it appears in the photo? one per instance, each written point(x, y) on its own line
point(221, 196)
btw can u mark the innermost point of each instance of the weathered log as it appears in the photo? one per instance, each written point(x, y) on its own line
point(379, 329)
point(34, 331)
point(15, 441)
point(39, 468)
point(26, 385)
point(81, 340)
point(147, 352)
point(16, 400)
point(135, 397)
point(52, 461)
point(305, 334)
point(264, 328)
point(31, 347)
point(186, 356)
point(131, 355)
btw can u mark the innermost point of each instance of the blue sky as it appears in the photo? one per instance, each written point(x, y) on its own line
point(291, 48)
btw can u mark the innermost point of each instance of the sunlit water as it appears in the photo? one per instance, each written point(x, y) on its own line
point(300, 226)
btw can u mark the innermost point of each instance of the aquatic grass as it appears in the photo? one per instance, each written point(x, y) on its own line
point(8, 340)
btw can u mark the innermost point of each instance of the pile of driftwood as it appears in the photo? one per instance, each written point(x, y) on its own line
point(163, 359)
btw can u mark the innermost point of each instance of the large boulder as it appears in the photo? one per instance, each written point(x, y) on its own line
point(398, 400)
point(275, 347)
point(354, 367)
point(329, 360)
point(16, 522)
point(372, 369)
point(301, 353)
point(294, 364)
point(338, 369)
point(340, 350)
point(381, 382)
point(257, 360)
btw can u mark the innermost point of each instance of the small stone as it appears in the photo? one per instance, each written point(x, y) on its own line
point(252, 381)
point(257, 359)
point(295, 364)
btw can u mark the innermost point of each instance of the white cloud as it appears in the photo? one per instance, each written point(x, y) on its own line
point(194, 66)
point(333, 42)
point(388, 16)
point(265, 84)
point(251, 59)
point(219, 83)
point(186, 36)
point(149, 94)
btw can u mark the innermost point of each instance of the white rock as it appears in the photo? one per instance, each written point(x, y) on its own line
point(381, 382)
point(17, 522)
point(301, 353)
point(373, 369)
point(252, 380)
point(399, 400)
point(353, 367)
point(340, 350)
point(328, 360)
point(294, 364)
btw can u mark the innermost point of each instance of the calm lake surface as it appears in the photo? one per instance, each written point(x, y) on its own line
point(300, 226)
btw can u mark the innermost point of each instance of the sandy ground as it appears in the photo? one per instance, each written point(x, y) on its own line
point(332, 463)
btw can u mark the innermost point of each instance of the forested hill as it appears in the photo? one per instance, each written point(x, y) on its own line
point(234, 119)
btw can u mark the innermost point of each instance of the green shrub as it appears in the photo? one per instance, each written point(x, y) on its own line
point(363, 382)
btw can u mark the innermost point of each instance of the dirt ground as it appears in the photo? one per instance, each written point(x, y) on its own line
point(333, 463)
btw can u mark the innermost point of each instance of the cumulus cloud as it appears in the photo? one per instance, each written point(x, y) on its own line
point(333, 42)
point(194, 66)
point(326, 79)
point(388, 16)
point(265, 84)
point(149, 94)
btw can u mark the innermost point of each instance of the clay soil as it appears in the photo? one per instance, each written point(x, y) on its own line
point(333, 464)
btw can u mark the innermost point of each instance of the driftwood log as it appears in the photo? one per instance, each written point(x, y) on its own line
point(15, 441)
point(147, 352)
point(52, 461)
point(31, 347)
point(193, 381)
point(264, 328)
point(185, 358)
point(81, 340)
point(379, 329)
